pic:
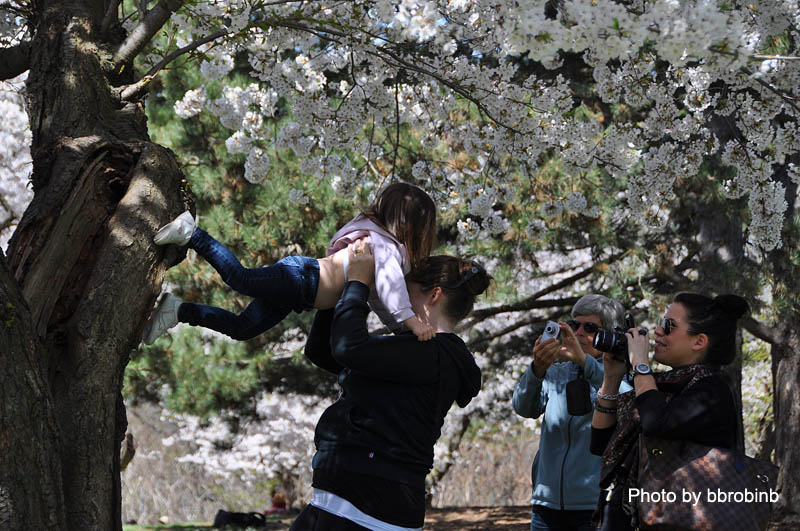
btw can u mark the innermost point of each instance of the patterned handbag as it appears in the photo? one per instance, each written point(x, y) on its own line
point(689, 486)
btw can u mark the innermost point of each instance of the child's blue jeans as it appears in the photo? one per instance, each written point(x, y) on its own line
point(290, 284)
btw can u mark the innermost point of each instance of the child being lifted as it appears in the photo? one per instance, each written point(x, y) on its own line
point(401, 226)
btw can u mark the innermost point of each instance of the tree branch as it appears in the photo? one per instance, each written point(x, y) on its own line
point(760, 330)
point(507, 330)
point(772, 89)
point(455, 87)
point(12, 218)
point(14, 60)
point(110, 16)
point(144, 31)
point(396, 125)
point(762, 57)
point(399, 62)
point(135, 89)
point(520, 306)
point(6, 223)
point(533, 301)
point(755, 56)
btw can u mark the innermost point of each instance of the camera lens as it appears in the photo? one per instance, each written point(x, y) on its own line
point(612, 342)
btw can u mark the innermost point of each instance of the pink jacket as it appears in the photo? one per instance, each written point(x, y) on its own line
point(389, 297)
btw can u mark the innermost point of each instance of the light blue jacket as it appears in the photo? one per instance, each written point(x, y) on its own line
point(565, 474)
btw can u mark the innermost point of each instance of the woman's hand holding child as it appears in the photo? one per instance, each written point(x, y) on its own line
point(361, 266)
point(423, 331)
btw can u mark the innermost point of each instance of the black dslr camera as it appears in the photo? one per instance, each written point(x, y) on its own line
point(615, 342)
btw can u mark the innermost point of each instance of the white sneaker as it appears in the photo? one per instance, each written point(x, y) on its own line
point(163, 318)
point(177, 231)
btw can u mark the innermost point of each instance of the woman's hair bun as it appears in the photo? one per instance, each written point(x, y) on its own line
point(732, 305)
point(473, 277)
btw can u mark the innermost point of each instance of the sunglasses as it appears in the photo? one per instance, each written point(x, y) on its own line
point(589, 328)
point(667, 324)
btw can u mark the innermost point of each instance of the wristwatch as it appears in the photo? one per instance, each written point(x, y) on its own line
point(642, 368)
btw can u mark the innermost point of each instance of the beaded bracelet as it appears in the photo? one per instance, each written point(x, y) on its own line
point(610, 398)
point(604, 409)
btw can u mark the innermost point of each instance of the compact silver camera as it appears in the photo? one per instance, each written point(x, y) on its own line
point(551, 329)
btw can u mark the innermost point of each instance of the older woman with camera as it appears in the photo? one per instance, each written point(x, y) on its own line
point(692, 402)
point(565, 475)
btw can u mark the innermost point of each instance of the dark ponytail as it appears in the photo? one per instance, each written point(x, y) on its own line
point(717, 319)
point(460, 280)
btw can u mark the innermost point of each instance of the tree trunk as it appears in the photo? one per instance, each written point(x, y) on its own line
point(786, 360)
point(31, 496)
point(721, 244)
point(786, 374)
point(83, 259)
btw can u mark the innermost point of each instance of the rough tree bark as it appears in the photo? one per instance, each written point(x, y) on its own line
point(786, 360)
point(30, 472)
point(80, 278)
point(722, 248)
point(786, 375)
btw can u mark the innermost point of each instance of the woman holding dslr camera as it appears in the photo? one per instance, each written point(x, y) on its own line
point(692, 402)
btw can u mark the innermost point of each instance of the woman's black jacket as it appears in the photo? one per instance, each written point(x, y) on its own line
point(396, 391)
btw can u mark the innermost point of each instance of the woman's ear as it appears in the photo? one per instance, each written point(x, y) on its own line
point(435, 294)
point(699, 342)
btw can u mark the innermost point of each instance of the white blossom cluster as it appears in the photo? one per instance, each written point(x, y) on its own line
point(278, 443)
point(256, 166)
point(298, 197)
point(718, 40)
point(191, 104)
point(218, 67)
point(15, 157)
point(377, 82)
point(341, 67)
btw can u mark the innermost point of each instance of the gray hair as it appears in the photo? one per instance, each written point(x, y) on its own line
point(611, 312)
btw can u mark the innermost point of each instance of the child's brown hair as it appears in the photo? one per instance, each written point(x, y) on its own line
point(409, 214)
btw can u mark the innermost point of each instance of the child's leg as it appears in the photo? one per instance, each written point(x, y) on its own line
point(258, 317)
point(284, 284)
point(233, 273)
